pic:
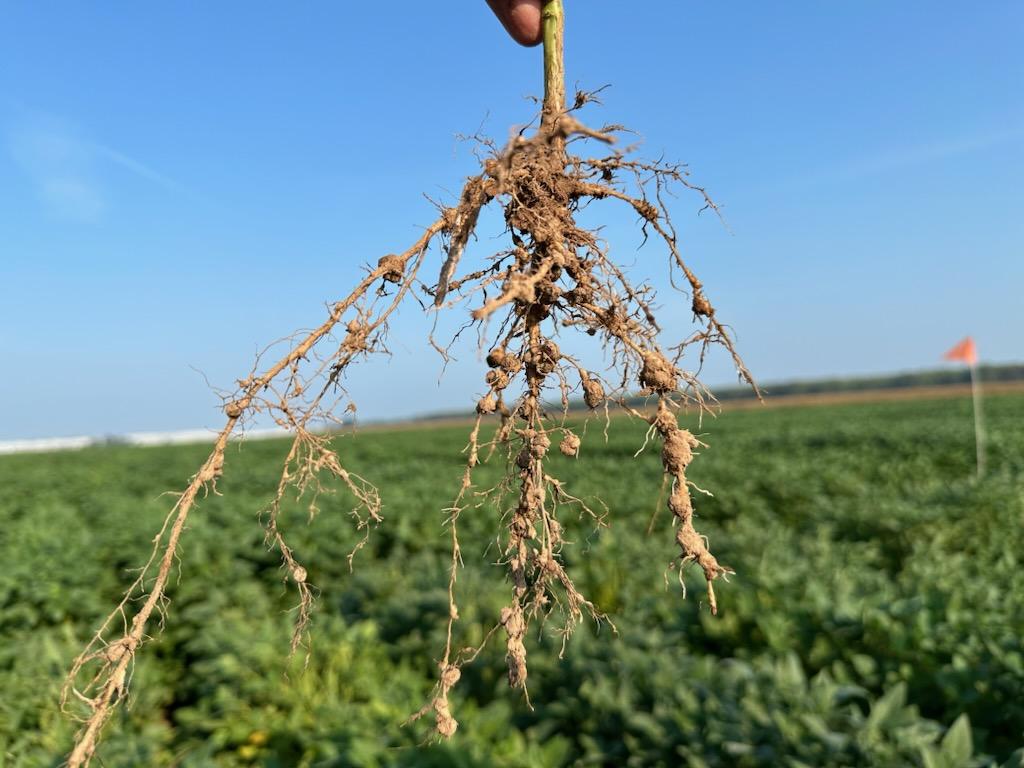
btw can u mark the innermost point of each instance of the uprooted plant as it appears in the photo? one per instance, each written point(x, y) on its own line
point(554, 278)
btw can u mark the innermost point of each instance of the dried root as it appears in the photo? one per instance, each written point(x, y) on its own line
point(300, 390)
point(554, 277)
point(558, 276)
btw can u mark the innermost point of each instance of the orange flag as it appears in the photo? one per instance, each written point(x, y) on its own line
point(964, 352)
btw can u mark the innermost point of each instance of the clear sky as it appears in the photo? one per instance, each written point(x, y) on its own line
point(182, 183)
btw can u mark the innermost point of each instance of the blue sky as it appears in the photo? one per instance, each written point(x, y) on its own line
point(181, 184)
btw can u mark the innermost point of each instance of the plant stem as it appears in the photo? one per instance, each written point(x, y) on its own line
point(554, 61)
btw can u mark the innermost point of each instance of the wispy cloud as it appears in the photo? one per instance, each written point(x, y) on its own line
point(910, 156)
point(59, 167)
point(73, 197)
point(68, 172)
point(138, 168)
point(929, 152)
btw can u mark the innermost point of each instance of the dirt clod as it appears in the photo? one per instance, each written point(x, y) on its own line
point(497, 378)
point(701, 306)
point(570, 445)
point(658, 374)
point(593, 393)
point(393, 266)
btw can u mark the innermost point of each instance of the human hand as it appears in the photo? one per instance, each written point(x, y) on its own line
point(520, 17)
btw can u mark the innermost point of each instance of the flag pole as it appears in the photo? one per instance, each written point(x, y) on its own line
point(979, 419)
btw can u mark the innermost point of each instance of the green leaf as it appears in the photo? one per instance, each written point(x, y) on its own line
point(1016, 760)
point(957, 745)
point(887, 707)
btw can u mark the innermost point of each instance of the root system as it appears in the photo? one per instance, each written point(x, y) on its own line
point(554, 278)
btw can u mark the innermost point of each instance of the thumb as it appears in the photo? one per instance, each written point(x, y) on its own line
point(520, 17)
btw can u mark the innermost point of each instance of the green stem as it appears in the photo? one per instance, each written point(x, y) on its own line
point(554, 61)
